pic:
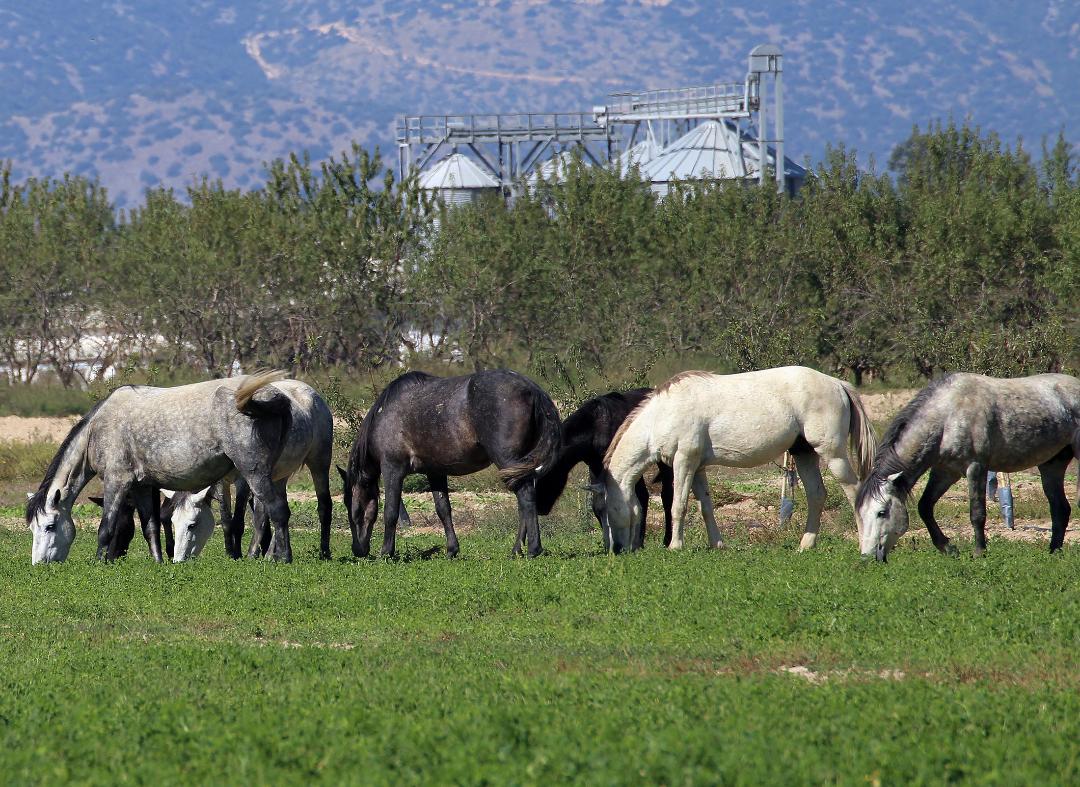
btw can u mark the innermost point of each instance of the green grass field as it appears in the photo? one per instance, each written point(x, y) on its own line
point(576, 667)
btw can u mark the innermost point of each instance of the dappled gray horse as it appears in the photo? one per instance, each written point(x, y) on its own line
point(140, 439)
point(443, 426)
point(963, 425)
point(308, 441)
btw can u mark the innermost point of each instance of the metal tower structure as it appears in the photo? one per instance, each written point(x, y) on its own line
point(509, 146)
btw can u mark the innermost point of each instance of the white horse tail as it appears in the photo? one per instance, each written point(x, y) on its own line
point(254, 382)
point(863, 439)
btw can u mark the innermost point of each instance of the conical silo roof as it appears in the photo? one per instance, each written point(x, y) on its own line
point(641, 154)
point(456, 171)
point(710, 150)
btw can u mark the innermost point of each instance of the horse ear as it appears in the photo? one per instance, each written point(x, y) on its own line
point(56, 499)
point(98, 501)
point(892, 479)
point(597, 487)
point(198, 498)
point(343, 473)
point(168, 493)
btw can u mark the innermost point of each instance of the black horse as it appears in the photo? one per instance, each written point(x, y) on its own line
point(586, 434)
point(443, 426)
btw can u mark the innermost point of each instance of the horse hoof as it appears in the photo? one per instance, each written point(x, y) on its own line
point(950, 550)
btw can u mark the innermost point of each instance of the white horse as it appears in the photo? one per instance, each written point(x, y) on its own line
point(697, 419)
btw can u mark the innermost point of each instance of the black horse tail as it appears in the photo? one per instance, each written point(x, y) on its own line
point(539, 460)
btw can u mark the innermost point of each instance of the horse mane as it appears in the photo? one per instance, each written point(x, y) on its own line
point(887, 461)
point(624, 426)
point(36, 503)
point(363, 438)
point(672, 382)
point(663, 388)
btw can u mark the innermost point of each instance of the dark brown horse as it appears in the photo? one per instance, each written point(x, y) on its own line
point(444, 426)
point(586, 435)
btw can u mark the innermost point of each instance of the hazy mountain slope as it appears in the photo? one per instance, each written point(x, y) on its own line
point(159, 92)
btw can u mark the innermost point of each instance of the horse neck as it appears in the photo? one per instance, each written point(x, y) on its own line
point(917, 447)
point(74, 471)
point(632, 454)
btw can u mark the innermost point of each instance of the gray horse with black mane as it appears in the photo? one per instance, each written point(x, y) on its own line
point(963, 425)
point(140, 439)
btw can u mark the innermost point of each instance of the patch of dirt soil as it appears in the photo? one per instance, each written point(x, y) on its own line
point(881, 407)
point(14, 428)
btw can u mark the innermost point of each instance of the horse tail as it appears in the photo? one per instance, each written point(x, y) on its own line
point(539, 460)
point(861, 431)
point(268, 403)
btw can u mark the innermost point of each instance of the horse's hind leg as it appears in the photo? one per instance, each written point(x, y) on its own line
point(936, 485)
point(526, 497)
point(701, 491)
point(806, 462)
point(261, 542)
point(273, 501)
point(845, 475)
point(440, 493)
point(1053, 484)
point(976, 483)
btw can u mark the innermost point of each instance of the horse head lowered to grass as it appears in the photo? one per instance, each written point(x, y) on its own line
point(443, 426)
point(586, 434)
point(962, 425)
point(140, 439)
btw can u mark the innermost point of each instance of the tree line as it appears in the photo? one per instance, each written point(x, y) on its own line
point(965, 254)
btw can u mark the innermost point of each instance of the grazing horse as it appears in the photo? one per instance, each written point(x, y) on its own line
point(586, 435)
point(308, 441)
point(697, 419)
point(963, 425)
point(443, 426)
point(140, 439)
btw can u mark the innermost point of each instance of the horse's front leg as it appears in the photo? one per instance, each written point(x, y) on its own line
point(111, 510)
point(148, 504)
point(393, 477)
point(641, 492)
point(936, 485)
point(1053, 484)
point(683, 467)
point(976, 483)
point(666, 478)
